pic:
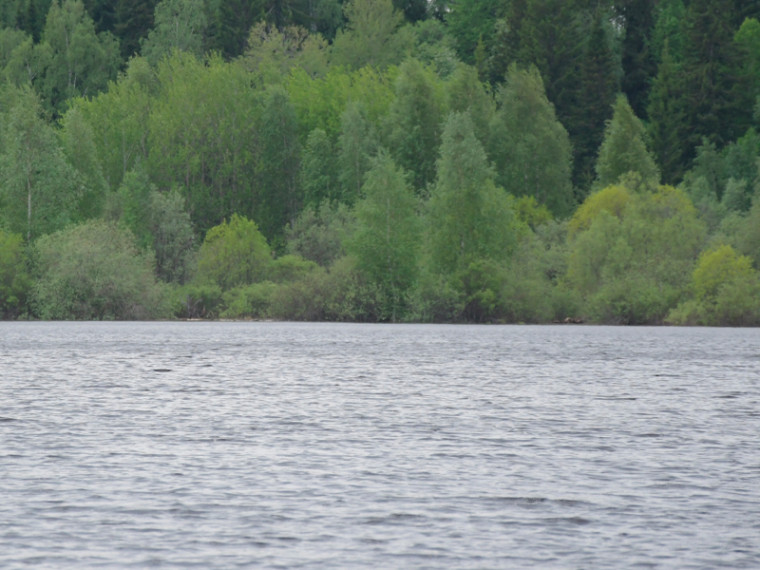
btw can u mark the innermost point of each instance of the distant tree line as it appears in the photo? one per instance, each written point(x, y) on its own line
point(378, 160)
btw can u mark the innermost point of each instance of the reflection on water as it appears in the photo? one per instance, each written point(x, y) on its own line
point(218, 445)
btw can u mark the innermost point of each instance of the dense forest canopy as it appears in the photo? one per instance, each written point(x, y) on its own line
point(381, 160)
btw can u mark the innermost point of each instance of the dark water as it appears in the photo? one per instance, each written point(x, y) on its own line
point(222, 445)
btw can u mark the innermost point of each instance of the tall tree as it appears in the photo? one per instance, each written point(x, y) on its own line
point(666, 119)
point(469, 217)
point(596, 94)
point(528, 145)
point(180, 25)
point(357, 144)
point(38, 188)
point(388, 234)
point(638, 62)
point(278, 166)
point(370, 35)
point(414, 122)
point(710, 95)
point(624, 149)
point(82, 61)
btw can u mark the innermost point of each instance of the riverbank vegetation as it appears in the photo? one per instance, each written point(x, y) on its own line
point(378, 160)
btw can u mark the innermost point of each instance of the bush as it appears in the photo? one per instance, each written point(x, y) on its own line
point(95, 271)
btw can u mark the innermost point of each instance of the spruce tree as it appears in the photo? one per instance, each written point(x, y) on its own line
point(624, 150)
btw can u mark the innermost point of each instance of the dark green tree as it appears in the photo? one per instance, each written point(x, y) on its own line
point(528, 145)
point(319, 172)
point(596, 94)
point(133, 21)
point(624, 149)
point(278, 166)
point(82, 62)
point(179, 25)
point(666, 119)
point(638, 62)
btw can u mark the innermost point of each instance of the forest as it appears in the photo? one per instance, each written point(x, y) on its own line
point(483, 161)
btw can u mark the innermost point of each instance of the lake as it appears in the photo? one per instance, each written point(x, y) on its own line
point(284, 445)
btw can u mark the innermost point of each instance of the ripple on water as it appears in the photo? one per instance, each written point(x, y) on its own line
point(220, 445)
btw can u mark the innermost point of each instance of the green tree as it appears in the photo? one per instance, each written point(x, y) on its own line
point(469, 217)
point(528, 145)
point(82, 62)
point(95, 271)
point(666, 118)
point(466, 93)
point(357, 144)
point(271, 53)
point(598, 85)
point(120, 120)
point(202, 139)
point(371, 35)
point(623, 149)
point(233, 254)
point(180, 25)
point(133, 22)
point(631, 265)
point(319, 172)
point(78, 143)
point(38, 189)
point(15, 280)
point(726, 291)
point(319, 233)
point(637, 58)
point(414, 122)
point(472, 22)
point(173, 238)
point(388, 234)
point(278, 166)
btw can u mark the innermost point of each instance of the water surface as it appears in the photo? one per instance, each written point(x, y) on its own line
point(277, 445)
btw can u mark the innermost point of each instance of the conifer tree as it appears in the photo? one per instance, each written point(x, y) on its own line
point(469, 217)
point(623, 149)
point(529, 146)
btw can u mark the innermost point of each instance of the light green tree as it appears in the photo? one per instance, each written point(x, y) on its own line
point(726, 291)
point(388, 232)
point(233, 253)
point(371, 36)
point(39, 192)
point(631, 255)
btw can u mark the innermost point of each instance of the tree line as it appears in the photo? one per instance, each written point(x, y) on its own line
point(378, 160)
